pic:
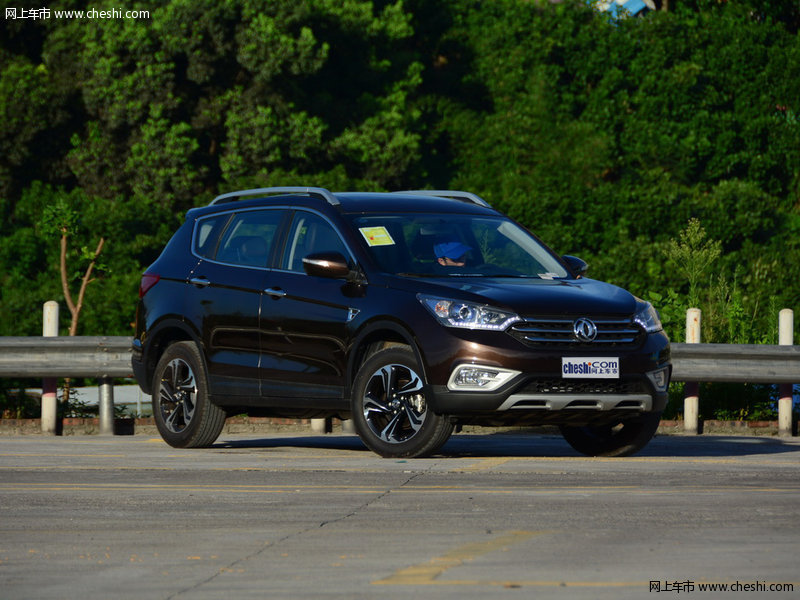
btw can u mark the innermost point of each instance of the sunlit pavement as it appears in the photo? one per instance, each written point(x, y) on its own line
point(305, 516)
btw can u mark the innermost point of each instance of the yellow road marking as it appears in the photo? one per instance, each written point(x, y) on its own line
point(426, 573)
point(486, 463)
point(62, 455)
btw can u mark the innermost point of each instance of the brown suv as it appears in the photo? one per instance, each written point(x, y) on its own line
point(410, 313)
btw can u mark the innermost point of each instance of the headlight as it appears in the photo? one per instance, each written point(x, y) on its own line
point(467, 315)
point(648, 318)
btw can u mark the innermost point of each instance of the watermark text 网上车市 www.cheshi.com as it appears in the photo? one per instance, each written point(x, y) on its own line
point(37, 14)
point(684, 587)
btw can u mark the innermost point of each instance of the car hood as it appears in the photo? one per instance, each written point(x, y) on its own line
point(535, 296)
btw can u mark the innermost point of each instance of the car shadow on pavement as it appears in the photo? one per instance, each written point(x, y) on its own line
point(539, 445)
point(667, 446)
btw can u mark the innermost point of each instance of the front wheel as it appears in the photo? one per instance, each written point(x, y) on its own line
point(390, 411)
point(183, 412)
point(622, 439)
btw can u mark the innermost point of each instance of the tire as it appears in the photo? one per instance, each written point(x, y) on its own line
point(183, 412)
point(390, 411)
point(623, 439)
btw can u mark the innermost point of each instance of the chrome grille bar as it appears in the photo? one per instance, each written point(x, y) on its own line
point(556, 331)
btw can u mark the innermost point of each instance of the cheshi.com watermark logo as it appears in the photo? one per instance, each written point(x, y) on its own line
point(590, 367)
point(36, 14)
point(686, 587)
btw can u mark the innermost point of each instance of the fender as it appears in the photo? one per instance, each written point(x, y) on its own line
point(166, 330)
point(383, 330)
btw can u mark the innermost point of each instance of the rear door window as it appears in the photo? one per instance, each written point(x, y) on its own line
point(249, 237)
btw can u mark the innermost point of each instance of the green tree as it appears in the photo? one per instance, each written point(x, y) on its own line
point(135, 121)
point(607, 137)
point(60, 219)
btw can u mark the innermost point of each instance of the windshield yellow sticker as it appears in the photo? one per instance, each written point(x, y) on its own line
point(377, 236)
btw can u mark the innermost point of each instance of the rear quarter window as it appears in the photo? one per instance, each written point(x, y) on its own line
point(206, 235)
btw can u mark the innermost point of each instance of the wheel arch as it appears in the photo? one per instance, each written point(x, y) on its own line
point(374, 337)
point(159, 338)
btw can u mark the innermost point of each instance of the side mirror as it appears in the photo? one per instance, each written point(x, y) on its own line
point(327, 264)
point(576, 265)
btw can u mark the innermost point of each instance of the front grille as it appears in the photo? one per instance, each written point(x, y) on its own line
point(555, 331)
point(588, 386)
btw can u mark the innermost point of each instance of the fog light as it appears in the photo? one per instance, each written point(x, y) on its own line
point(479, 378)
point(659, 379)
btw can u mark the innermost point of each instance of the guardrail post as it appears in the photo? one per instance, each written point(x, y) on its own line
point(691, 400)
point(106, 406)
point(50, 384)
point(785, 338)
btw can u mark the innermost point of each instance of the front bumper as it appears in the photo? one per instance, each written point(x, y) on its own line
point(540, 393)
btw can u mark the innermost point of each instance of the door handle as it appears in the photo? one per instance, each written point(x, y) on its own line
point(200, 281)
point(275, 292)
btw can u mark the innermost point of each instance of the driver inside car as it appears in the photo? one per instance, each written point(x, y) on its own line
point(451, 254)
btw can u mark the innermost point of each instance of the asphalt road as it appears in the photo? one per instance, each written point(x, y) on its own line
point(304, 516)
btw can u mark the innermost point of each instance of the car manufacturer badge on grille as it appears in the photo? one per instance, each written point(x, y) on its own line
point(584, 330)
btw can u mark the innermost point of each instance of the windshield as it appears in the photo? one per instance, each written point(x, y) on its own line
point(453, 245)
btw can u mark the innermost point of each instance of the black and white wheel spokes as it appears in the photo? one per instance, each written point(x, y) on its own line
point(394, 405)
point(177, 395)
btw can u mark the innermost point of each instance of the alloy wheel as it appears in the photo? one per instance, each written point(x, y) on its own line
point(177, 395)
point(393, 404)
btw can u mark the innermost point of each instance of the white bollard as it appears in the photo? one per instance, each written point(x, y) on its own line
point(321, 425)
point(50, 384)
point(785, 338)
point(106, 406)
point(691, 401)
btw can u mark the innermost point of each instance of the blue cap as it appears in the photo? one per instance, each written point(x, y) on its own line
point(451, 250)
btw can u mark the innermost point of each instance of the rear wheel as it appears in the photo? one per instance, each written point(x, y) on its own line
point(622, 439)
point(183, 412)
point(390, 411)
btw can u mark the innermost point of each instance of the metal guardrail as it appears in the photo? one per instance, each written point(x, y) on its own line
point(736, 363)
point(79, 356)
point(109, 356)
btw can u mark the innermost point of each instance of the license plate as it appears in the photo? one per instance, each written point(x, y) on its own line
point(590, 367)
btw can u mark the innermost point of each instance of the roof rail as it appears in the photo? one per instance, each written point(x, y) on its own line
point(456, 195)
point(309, 191)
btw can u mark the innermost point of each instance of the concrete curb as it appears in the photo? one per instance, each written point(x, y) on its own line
point(147, 426)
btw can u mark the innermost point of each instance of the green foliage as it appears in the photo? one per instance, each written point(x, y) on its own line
point(28, 115)
point(15, 403)
point(147, 118)
point(607, 138)
point(738, 402)
point(207, 94)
